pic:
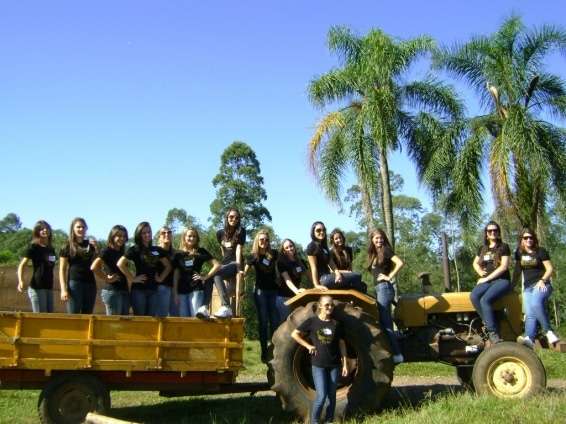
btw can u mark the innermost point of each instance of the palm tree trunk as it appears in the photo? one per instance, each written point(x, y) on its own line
point(368, 209)
point(386, 196)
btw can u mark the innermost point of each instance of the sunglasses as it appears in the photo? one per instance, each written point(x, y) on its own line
point(492, 230)
point(165, 233)
point(528, 238)
point(263, 239)
point(319, 230)
point(232, 216)
point(327, 305)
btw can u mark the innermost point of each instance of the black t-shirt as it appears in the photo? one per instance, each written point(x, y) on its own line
point(324, 336)
point(169, 254)
point(385, 267)
point(147, 262)
point(487, 258)
point(229, 246)
point(265, 270)
point(189, 264)
point(79, 265)
point(531, 265)
point(295, 268)
point(322, 256)
point(342, 261)
point(43, 260)
point(110, 258)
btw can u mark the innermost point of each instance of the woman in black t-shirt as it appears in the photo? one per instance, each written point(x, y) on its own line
point(188, 282)
point(533, 266)
point(384, 265)
point(492, 265)
point(228, 279)
point(78, 285)
point(318, 256)
point(341, 257)
point(147, 260)
point(323, 337)
point(166, 299)
point(42, 256)
point(115, 294)
point(263, 259)
point(292, 268)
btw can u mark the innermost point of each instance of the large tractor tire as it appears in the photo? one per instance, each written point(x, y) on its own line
point(369, 356)
point(67, 399)
point(509, 370)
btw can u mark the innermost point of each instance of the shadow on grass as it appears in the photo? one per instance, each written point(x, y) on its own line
point(263, 408)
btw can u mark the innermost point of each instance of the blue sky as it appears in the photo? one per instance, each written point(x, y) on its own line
point(119, 110)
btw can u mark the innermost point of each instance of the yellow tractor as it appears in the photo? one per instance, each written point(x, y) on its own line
point(431, 328)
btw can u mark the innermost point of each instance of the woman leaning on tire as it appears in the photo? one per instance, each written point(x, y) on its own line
point(323, 337)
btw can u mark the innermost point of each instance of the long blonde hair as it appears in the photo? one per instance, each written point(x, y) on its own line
point(255, 246)
point(183, 244)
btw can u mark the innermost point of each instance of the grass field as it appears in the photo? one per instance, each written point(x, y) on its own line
point(435, 403)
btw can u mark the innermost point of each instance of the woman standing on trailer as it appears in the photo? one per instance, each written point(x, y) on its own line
point(341, 257)
point(232, 239)
point(323, 337)
point(291, 271)
point(264, 259)
point(384, 264)
point(533, 266)
point(188, 280)
point(318, 256)
point(115, 295)
point(166, 298)
point(78, 285)
point(492, 265)
point(146, 259)
point(42, 256)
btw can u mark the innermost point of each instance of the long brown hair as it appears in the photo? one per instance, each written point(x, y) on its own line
point(232, 233)
point(376, 255)
point(113, 233)
point(73, 244)
point(40, 225)
point(485, 245)
point(527, 230)
point(342, 259)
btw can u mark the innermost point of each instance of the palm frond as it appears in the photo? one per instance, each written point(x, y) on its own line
point(331, 123)
point(342, 41)
point(434, 96)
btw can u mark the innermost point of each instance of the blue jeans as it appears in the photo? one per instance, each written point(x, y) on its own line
point(117, 302)
point(144, 302)
point(534, 302)
point(325, 383)
point(266, 313)
point(385, 296)
point(190, 302)
point(164, 300)
point(484, 295)
point(282, 309)
point(41, 299)
point(349, 280)
point(82, 296)
point(225, 272)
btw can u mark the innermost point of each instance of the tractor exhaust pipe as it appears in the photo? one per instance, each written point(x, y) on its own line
point(446, 264)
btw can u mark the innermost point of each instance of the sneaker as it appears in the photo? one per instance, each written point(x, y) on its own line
point(203, 313)
point(398, 358)
point(494, 337)
point(526, 341)
point(223, 312)
point(551, 337)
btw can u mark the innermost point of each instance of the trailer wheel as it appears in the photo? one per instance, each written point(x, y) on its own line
point(464, 375)
point(368, 352)
point(67, 399)
point(509, 370)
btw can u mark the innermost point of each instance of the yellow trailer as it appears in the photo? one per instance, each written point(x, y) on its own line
point(77, 359)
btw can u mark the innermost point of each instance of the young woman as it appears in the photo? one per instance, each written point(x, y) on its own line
point(341, 257)
point(42, 256)
point(188, 280)
point(115, 294)
point(78, 285)
point(166, 298)
point(232, 239)
point(384, 265)
point(318, 256)
point(264, 259)
point(534, 268)
point(146, 259)
point(492, 266)
point(323, 337)
point(291, 271)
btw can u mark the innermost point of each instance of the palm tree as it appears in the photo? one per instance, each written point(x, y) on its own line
point(523, 153)
point(377, 114)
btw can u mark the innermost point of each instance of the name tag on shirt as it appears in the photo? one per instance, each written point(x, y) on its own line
point(227, 244)
point(299, 269)
point(51, 258)
point(487, 258)
point(266, 261)
point(189, 263)
point(155, 253)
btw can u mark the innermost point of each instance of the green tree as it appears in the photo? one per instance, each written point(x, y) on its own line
point(10, 223)
point(378, 112)
point(523, 154)
point(239, 184)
